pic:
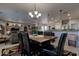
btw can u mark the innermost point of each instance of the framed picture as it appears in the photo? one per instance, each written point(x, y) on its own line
point(72, 43)
point(72, 39)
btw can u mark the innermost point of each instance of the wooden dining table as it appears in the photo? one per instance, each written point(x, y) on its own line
point(41, 38)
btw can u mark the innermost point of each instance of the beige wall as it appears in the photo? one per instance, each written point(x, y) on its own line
point(74, 23)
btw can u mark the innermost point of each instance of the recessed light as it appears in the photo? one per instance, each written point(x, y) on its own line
point(68, 14)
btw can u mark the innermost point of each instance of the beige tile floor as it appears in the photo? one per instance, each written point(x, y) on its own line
point(2, 45)
point(69, 48)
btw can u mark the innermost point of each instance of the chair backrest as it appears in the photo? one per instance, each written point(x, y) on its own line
point(40, 32)
point(52, 34)
point(14, 38)
point(47, 33)
point(24, 42)
point(60, 48)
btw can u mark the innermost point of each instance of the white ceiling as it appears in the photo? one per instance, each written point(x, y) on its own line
point(53, 8)
point(19, 11)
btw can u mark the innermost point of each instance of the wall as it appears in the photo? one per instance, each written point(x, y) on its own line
point(74, 23)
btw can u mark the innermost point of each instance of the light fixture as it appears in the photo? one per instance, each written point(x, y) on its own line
point(68, 14)
point(35, 13)
point(19, 25)
point(39, 14)
point(61, 14)
point(30, 13)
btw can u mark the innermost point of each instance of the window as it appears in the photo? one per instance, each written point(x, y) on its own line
point(44, 28)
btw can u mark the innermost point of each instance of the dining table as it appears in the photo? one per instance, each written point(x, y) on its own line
point(42, 40)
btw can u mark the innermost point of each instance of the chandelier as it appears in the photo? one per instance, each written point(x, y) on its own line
point(35, 13)
point(65, 13)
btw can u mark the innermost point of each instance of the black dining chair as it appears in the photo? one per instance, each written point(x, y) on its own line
point(27, 46)
point(59, 51)
point(24, 43)
point(40, 32)
point(52, 34)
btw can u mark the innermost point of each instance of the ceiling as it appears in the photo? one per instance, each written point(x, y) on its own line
point(53, 8)
point(19, 11)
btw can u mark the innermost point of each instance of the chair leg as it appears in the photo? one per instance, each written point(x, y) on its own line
point(24, 53)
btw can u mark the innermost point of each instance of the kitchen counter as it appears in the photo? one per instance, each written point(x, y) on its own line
point(66, 30)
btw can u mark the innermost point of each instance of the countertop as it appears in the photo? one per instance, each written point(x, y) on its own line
point(66, 30)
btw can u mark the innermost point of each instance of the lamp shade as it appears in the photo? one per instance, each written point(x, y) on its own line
point(35, 12)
